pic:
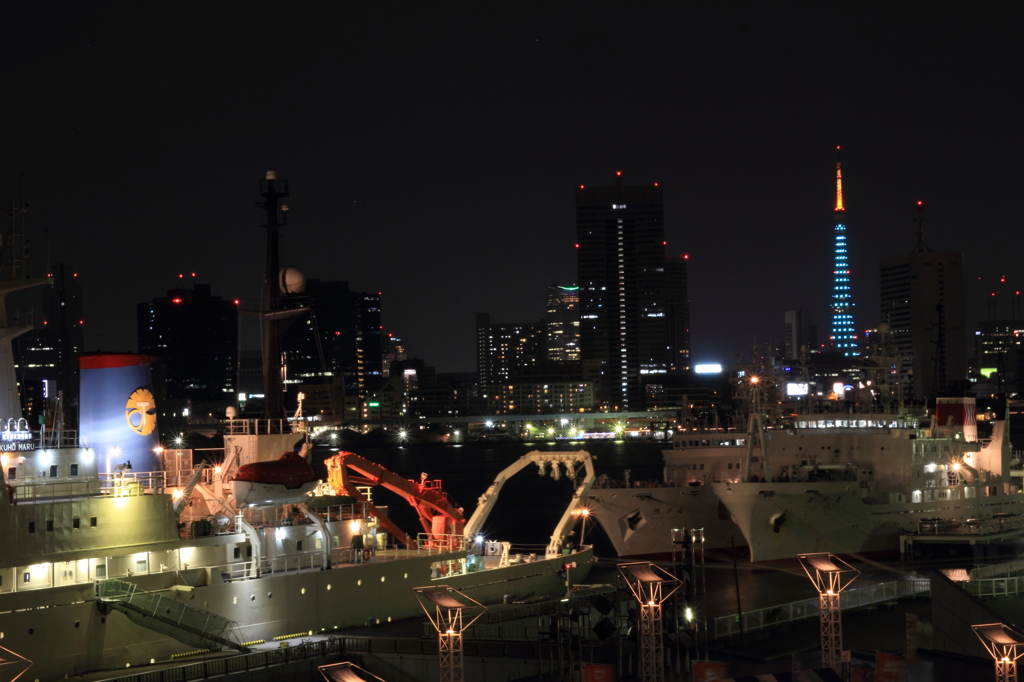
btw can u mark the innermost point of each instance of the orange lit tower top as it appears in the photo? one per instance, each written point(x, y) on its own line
point(843, 335)
point(839, 186)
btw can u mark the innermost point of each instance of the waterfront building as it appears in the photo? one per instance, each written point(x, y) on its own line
point(626, 291)
point(922, 298)
point(563, 323)
point(843, 337)
point(196, 335)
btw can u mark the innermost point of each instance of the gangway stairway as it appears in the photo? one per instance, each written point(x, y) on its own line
point(187, 624)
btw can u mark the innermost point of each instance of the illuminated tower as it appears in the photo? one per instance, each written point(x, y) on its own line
point(843, 337)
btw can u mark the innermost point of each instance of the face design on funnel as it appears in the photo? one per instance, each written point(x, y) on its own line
point(140, 411)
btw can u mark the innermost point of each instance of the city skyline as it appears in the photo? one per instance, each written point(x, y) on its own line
point(433, 155)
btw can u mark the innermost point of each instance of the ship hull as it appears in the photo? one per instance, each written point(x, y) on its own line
point(639, 521)
point(271, 606)
point(782, 520)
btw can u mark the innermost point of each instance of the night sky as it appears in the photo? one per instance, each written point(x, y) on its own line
point(433, 149)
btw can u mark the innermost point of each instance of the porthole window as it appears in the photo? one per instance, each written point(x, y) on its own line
point(382, 578)
point(252, 598)
point(328, 586)
point(234, 600)
point(303, 590)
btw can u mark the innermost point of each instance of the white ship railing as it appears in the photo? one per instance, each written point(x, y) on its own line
point(256, 427)
point(871, 595)
point(433, 543)
point(995, 587)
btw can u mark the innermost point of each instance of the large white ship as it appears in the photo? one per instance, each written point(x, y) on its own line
point(854, 483)
point(639, 516)
point(838, 482)
point(103, 571)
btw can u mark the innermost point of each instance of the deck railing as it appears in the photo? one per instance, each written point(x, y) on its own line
point(871, 595)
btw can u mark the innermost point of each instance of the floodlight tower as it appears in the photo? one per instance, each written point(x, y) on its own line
point(1001, 642)
point(445, 612)
point(651, 586)
point(830, 575)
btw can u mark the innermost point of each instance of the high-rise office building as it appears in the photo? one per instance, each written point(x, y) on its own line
point(337, 340)
point(999, 353)
point(46, 358)
point(563, 323)
point(626, 291)
point(196, 335)
point(678, 313)
point(922, 298)
point(843, 336)
point(504, 352)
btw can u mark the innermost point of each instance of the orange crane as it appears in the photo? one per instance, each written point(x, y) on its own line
point(437, 515)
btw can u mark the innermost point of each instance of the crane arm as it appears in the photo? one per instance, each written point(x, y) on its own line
point(425, 497)
point(186, 493)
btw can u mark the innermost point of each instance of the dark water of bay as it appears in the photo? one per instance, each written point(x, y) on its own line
point(529, 505)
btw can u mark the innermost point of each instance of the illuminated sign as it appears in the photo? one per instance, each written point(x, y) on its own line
point(797, 389)
point(711, 368)
point(16, 436)
point(140, 411)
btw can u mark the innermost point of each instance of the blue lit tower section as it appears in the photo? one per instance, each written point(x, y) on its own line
point(843, 337)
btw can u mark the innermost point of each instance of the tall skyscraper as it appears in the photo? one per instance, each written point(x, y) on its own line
point(843, 336)
point(678, 297)
point(922, 298)
point(196, 334)
point(626, 292)
point(563, 323)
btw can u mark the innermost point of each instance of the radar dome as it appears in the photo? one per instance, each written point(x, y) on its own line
point(291, 280)
point(231, 412)
point(884, 328)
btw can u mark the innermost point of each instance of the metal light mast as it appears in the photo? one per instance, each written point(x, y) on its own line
point(651, 586)
point(1001, 642)
point(830, 575)
point(445, 612)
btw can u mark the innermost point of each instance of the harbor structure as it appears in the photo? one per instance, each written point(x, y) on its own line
point(922, 297)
